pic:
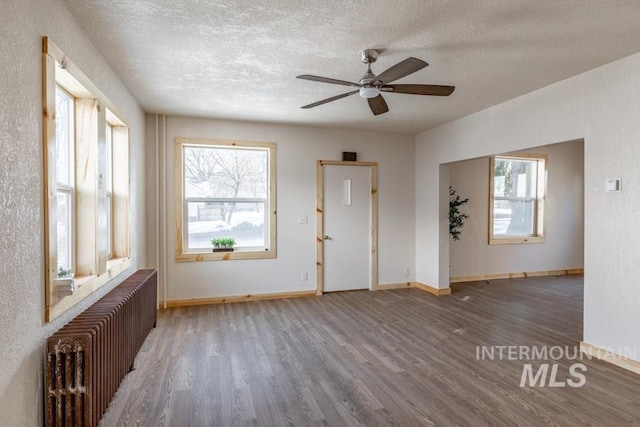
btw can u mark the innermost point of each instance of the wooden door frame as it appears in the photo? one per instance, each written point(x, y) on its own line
point(373, 285)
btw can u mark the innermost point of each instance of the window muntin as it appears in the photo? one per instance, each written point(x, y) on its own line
point(226, 189)
point(517, 199)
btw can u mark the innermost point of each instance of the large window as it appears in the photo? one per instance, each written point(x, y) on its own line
point(86, 169)
point(226, 190)
point(518, 185)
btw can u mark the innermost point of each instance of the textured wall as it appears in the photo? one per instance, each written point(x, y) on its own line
point(298, 148)
point(22, 330)
point(564, 218)
point(602, 107)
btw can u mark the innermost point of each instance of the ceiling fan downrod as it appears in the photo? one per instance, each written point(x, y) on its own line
point(368, 56)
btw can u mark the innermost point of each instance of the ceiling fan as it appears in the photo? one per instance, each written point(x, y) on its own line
point(371, 85)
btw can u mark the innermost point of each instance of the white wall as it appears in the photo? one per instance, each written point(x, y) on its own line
point(298, 148)
point(23, 330)
point(602, 107)
point(564, 218)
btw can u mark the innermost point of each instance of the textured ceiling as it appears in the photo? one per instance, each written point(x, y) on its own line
point(239, 59)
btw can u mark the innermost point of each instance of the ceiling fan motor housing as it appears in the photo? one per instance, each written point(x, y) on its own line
point(369, 56)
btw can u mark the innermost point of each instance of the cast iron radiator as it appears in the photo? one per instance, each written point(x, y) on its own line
point(87, 358)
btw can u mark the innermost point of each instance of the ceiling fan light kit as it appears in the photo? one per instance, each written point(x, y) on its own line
point(370, 85)
point(369, 91)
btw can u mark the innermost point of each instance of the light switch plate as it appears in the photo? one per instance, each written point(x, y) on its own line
point(612, 185)
point(302, 219)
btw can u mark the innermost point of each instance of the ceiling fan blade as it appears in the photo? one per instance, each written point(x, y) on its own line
point(401, 69)
point(378, 105)
point(327, 80)
point(333, 98)
point(434, 90)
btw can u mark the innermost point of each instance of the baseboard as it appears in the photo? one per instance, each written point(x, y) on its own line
point(430, 289)
point(484, 277)
point(610, 357)
point(417, 285)
point(298, 294)
point(387, 286)
point(239, 298)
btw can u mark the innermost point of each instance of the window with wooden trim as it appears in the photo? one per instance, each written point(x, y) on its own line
point(517, 196)
point(224, 190)
point(86, 170)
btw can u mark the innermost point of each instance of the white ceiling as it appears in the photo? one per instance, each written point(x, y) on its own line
point(239, 59)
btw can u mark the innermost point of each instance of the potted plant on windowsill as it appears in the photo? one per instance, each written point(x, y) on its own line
point(223, 244)
point(65, 283)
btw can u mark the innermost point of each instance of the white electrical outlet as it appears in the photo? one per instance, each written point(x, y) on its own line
point(305, 276)
point(407, 272)
point(302, 219)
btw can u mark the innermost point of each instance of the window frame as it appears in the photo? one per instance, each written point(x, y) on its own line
point(538, 235)
point(182, 253)
point(91, 268)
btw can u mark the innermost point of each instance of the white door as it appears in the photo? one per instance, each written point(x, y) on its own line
point(347, 227)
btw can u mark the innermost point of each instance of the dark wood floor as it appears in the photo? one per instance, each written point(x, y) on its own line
point(400, 357)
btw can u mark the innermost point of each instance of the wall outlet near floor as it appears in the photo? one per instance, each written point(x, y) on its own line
point(304, 276)
point(407, 272)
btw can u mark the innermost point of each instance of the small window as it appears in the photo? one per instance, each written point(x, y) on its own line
point(516, 208)
point(227, 191)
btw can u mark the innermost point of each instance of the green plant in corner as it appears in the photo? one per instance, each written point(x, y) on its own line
point(456, 217)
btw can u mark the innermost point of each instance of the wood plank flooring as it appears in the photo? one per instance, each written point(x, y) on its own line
point(388, 358)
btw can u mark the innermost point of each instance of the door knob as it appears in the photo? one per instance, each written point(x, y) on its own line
point(327, 237)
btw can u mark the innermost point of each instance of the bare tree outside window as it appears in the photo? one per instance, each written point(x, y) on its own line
point(226, 194)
